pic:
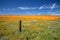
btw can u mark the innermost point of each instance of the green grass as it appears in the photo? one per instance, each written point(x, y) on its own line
point(50, 30)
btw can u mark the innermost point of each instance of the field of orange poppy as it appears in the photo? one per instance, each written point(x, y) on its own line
point(32, 27)
point(11, 18)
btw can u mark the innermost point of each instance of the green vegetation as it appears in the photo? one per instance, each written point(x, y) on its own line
point(31, 30)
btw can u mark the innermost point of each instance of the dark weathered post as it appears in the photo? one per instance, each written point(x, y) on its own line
point(20, 25)
point(27, 38)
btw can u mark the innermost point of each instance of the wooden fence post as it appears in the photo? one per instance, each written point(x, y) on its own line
point(20, 28)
